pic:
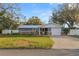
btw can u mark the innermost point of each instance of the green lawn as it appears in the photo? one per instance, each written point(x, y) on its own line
point(25, 42)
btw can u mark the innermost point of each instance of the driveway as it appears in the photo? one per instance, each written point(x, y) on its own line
point(65, 42)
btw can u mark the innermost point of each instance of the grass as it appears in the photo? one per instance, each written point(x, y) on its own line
point(25, 42)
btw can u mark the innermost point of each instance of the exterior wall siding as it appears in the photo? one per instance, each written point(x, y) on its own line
point(36, 30)
point(9, 31)
point(74, 32)
point(55, 31)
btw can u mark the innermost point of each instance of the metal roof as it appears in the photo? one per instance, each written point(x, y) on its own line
point(29, 26)
point(39, 26)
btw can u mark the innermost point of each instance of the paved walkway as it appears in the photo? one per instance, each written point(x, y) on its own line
point(66, 42)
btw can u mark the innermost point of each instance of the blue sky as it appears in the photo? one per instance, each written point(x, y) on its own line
point(42, 10)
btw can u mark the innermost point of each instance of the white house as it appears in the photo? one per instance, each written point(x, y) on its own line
point(74, 31)
point(47, 29)
point(6, 31)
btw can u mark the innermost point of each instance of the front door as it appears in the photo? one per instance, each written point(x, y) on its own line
point(44, 31)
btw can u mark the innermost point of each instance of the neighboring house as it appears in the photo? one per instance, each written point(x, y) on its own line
point(6, 31)
point(74, 31)
point(47, 29)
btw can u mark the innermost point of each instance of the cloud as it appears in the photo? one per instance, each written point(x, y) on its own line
point(47, 13)
point(45, 16)
point(51, 4)
point(41, 13)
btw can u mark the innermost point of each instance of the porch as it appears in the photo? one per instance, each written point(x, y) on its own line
point(35, 31)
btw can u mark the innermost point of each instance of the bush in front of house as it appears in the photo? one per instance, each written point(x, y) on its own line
point(65, 30)
point(26, 42)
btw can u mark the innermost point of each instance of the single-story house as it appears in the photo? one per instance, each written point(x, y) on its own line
point(74, 31)
point(47, 29)
point(7, 31)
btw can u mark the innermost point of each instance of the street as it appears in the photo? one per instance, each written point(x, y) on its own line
point(39, 52)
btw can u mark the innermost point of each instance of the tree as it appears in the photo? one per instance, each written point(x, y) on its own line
point(34, 21)
point(8, 16)
point(68, 14)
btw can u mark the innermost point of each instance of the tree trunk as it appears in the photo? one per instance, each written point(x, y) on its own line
point(0, 31)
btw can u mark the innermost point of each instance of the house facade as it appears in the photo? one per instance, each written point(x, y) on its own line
point(47, 29)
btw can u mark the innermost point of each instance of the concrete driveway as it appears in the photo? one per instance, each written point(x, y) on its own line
point(66, 42)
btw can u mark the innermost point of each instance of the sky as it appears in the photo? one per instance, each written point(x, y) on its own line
point(42, 10)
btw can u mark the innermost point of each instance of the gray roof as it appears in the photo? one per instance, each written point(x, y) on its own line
point(39, 26)
point(29, 26)
point(53, 25)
